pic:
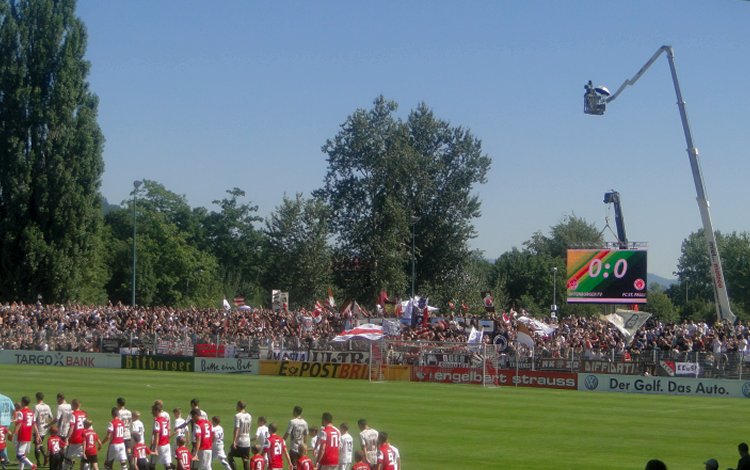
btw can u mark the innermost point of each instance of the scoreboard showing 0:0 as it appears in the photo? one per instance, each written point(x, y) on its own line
point(606, 276)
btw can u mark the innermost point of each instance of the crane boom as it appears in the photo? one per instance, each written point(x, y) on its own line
point(613, 197)
point(723, 308)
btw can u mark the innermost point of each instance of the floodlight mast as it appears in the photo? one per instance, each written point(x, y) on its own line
point(595, 103)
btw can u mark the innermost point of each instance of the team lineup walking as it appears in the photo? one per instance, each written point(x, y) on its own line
point(194, 443)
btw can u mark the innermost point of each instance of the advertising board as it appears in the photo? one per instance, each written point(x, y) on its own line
point(315, 369)
point(164, 363)
point(61, 359)
point(225, 366)
point(664, 385)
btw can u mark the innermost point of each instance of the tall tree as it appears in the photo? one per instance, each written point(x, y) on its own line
point(693, 272)
point(170, 269)
point(299, 259)
point(524, 278)
point(389, 180)
point(50, 155)
point(231, 236)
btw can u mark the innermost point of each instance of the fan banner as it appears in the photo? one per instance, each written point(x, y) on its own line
point(366, 331)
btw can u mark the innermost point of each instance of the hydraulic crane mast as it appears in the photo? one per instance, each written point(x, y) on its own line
point(595, 102)
point(613, 197)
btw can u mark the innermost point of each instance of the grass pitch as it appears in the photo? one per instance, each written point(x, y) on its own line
point(435, 426)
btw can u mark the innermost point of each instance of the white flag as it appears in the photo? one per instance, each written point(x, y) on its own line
point(627, 321)
point(226, 305)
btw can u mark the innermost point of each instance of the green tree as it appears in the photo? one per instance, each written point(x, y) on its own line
point(298, 255)
point(660, 305)
point(230, 235)
point(389, 179)
point(524, 278)
point(571, 232)
point(694, 273)
point(170, 269)
point(50, 156)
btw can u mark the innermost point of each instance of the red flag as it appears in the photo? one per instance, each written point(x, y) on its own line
point(382, 298)
point(239, 301)
point(425, 317)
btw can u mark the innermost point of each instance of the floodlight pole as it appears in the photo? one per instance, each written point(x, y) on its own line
point(554, 289)
point(414, 220)
point(136, 185)
point(723, 308)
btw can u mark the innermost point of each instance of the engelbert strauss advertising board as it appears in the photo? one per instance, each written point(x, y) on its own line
point(664, 385)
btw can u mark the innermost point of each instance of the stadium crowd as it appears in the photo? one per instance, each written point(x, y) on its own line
point(81, 328)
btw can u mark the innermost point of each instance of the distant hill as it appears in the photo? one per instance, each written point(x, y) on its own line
point(662, 281)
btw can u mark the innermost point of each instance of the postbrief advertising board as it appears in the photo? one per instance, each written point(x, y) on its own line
point(61, 359)
point(664, 385)
point(315, 369)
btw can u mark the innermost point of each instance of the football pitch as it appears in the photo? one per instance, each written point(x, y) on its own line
point(435, 426)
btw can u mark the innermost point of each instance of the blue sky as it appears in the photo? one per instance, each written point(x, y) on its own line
point(205, 96)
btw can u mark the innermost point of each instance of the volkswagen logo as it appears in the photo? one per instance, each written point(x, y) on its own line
point(746, 389)
point(591, 382)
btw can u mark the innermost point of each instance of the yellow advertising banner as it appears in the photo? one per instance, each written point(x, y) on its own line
point(315, 369)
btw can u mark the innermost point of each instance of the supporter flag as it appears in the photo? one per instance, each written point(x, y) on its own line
point(331, 301)
point(475, 336)
point(366, 331)
point(226, 304)
point(451, 306)
point(382, 298)
point(536, 326)
point(391, 328)
point(627, 322)
point(506, 317)
point(525, 335)
point(317, 312)
point(489, 302)
point(239, 301)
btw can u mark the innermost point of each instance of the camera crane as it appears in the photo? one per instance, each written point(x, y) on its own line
point(595, 102)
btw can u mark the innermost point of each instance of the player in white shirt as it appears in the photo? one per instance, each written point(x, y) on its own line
point(262, 434)
point(63, 415)
point(397, 455)
point(368, 439)
point(296, 432)
point(137, 428)
point(346, 448)
point(42, 420)
point(217, 451)
point(127, 421)
point(179, 425)
point(241, 439)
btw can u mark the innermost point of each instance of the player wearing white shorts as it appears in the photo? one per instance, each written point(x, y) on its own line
point(346, 448)
point(42, 420)
point(203, 439)
point(160, 438)
point(217, 450)
point(127, 421)
point(116, 438)
point(368, 439)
